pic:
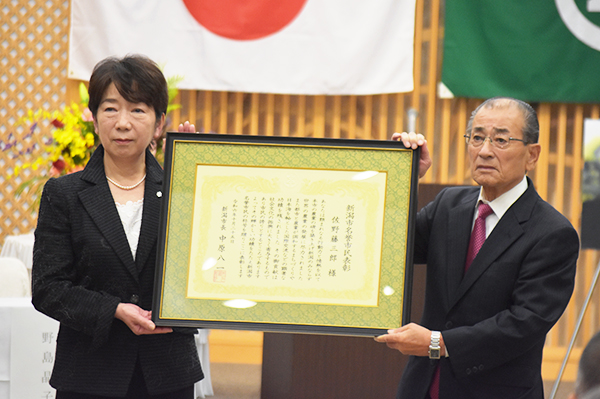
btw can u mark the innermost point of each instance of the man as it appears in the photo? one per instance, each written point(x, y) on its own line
point(593, 394)
point(484, 323)
point(588, 375)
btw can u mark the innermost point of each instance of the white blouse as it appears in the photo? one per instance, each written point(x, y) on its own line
point(131, 218)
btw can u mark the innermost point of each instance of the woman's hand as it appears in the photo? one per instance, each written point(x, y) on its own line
point(138, 320)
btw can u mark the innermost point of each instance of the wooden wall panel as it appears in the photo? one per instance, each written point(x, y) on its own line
point(33, 71)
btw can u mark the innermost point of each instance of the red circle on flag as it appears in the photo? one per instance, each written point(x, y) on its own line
point(244, 19)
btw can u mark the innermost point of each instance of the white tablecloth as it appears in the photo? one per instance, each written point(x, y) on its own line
point(27, 345)
point(27, 342)
point(20, 247)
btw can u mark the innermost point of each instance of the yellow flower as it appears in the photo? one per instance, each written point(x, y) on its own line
point(89, 139)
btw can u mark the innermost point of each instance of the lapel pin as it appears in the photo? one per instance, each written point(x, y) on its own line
point(159, 194)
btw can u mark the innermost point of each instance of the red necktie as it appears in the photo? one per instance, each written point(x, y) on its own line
point(475, 243)
point(434, 388)
point(478, 233)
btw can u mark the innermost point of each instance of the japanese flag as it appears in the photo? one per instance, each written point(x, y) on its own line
point(266, 46)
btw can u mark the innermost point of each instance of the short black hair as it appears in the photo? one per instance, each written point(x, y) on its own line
point(136, 77)
point(531, 128)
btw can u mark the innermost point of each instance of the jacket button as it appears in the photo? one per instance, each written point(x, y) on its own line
point(475, 370)
point(134, 299)
point(448, 325)
point(468, 371)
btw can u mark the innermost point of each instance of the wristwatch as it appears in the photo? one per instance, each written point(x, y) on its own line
point(434, 346)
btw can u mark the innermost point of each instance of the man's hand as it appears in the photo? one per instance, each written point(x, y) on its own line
point(415, 140)
point(186, 127)
point(138, 320)
point(411, 339)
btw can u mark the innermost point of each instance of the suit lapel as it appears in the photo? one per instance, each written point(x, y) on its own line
point(150, 216)
point(100, 205)
point(506, 232)
point(459, 224)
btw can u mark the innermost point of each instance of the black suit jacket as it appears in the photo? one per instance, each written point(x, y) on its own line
point(83, 268)
point(493, 320)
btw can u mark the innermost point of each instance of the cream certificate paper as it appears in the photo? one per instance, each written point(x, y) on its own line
point(287, 235)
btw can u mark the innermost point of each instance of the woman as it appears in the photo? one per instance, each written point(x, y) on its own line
point(95, 251)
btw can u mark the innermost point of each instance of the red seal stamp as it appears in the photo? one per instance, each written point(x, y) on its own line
point(219, 276)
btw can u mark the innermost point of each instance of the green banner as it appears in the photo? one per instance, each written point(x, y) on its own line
point(534, 50)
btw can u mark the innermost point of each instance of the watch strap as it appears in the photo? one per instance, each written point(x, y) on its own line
point(434, 345)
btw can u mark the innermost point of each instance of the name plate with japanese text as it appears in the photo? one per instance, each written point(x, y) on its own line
point(286, 234)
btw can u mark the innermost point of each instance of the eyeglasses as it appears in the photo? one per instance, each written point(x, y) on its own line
point(501, 141)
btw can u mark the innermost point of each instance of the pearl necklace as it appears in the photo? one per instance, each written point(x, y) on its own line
point(126, 187)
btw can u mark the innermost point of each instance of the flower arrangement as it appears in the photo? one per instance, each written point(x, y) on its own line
point(73, 139)
point(67, 150)
point(71, 144)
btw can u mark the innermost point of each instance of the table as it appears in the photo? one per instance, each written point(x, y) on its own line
point(26, 350)
point(20, 247)
point(27, 347)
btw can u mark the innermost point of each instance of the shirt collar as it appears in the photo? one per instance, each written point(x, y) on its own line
point(501, 204)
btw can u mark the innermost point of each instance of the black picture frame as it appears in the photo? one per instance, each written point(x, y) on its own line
point(208, 172)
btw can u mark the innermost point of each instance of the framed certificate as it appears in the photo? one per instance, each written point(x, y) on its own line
point(286, 234)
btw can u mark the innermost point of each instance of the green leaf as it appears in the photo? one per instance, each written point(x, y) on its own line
point(83, 94)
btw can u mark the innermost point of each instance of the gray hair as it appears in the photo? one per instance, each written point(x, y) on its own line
point(531, 128)
point(593, 394)
point(588, 374)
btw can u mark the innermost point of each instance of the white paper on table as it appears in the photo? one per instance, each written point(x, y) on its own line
point(4, 344)
point(32, 349)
